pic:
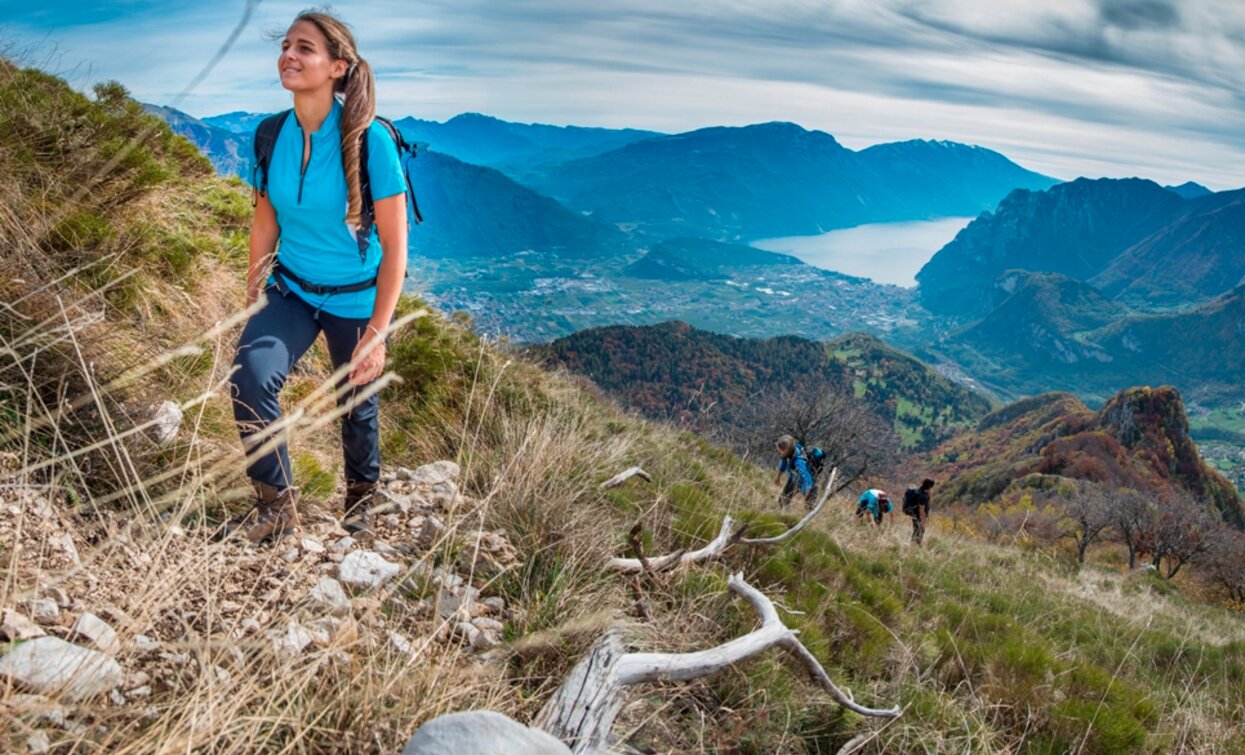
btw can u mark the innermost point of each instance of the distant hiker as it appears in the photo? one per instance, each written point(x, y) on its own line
point(801, 468)
point(876, 503)
point(916, 505)
point(342, 227)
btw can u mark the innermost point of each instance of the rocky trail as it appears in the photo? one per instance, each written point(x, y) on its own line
point(95, 624)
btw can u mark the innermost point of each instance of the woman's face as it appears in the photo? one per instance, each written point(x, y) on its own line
point(304, 64)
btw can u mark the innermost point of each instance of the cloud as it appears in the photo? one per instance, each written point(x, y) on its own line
point(1115, 87)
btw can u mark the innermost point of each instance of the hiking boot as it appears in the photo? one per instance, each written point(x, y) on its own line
point(276, 513)
point(359, 498)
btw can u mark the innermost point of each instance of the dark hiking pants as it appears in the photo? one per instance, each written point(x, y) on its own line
point(918, 531)
point(273, 340)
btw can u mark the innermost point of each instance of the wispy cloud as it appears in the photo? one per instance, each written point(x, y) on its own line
point(1069, 87)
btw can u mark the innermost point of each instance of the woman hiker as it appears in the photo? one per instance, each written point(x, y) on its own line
point(324, 277)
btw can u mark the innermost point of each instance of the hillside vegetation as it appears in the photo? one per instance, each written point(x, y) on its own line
point(122, 278)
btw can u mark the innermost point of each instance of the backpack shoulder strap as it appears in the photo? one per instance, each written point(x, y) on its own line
point(413, 151)
point(265, 141)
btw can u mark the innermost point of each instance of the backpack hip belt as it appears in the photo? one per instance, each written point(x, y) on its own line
point(279, 272)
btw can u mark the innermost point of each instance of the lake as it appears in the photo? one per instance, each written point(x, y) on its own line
point(883, 252)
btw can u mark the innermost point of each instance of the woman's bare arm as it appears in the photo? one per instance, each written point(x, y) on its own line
point(391, 228)
point(264, 235)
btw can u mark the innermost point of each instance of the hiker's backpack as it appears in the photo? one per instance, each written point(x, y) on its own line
point(912, 502)
point(816, 460)
point(265, 142)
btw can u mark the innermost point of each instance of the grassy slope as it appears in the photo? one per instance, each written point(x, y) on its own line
point(987, 648)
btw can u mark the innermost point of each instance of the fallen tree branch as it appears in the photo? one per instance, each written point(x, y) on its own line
point(625, 475)
point(810, 516)
point(659, 563)
point(583, 710)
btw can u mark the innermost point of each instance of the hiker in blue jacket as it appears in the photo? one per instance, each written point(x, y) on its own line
point(336, 271)
point(795, 464)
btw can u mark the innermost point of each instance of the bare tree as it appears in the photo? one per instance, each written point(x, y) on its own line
point(1224, 564)
point(1183, 532)
point(1132, 515)
point(1086, 516)
point(857, 442)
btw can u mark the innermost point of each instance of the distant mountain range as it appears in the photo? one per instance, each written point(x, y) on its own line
point(675, 371)
point(778, 179)
point(1130, 238)
point(228, 154)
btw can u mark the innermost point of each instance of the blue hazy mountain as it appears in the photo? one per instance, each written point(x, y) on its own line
point(1190, 190)
point(484, 140)
point(1130, 238)
point(476, 211)
point(779, 179)
point(238, 121)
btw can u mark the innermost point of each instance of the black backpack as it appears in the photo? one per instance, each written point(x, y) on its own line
point(912, 502)
point(266, 139)
point(816, 460)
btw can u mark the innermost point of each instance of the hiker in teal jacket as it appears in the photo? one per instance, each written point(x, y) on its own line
point(332, 273)
point(794, 463)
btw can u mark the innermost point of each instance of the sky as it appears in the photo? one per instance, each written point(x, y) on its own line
point(1151, 88)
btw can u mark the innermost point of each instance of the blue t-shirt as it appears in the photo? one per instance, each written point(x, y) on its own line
point(316, 244)
point(797, 467)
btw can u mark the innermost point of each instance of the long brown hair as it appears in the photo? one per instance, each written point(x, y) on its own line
point(357, 92)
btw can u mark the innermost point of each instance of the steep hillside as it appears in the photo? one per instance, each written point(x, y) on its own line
point(777, 179)
point(1076, 229)
point(1199, 255)
point(674, 371)
point(127, 294)
point(1139, 439)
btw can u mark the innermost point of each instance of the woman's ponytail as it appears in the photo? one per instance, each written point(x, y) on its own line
point(358, 110)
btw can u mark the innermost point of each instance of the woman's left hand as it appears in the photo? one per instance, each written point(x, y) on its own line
point(372, 348)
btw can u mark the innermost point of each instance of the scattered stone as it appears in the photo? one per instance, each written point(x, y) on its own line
point(329, 596)
point(311, 544)
point(230, 606)
point(364, 570)
point(468, 632)
point(54, 593)
point(49, 664)
point(38, 743)
point(65, 542)
point(484, 623)
point(15, 626)
point(496, 605)
point(96, 631)
point(116, 697)
point(344, 544)
point(290, 556)
point(140, 693)
point(481, 732)
point(295, 639)
point(451, 602)
point(145, 644)
point(401, 643)
point(429, 532)
point(137, 679)
point(166, 422)
point(434, 473)
point(250, 626)
point(386, 549)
